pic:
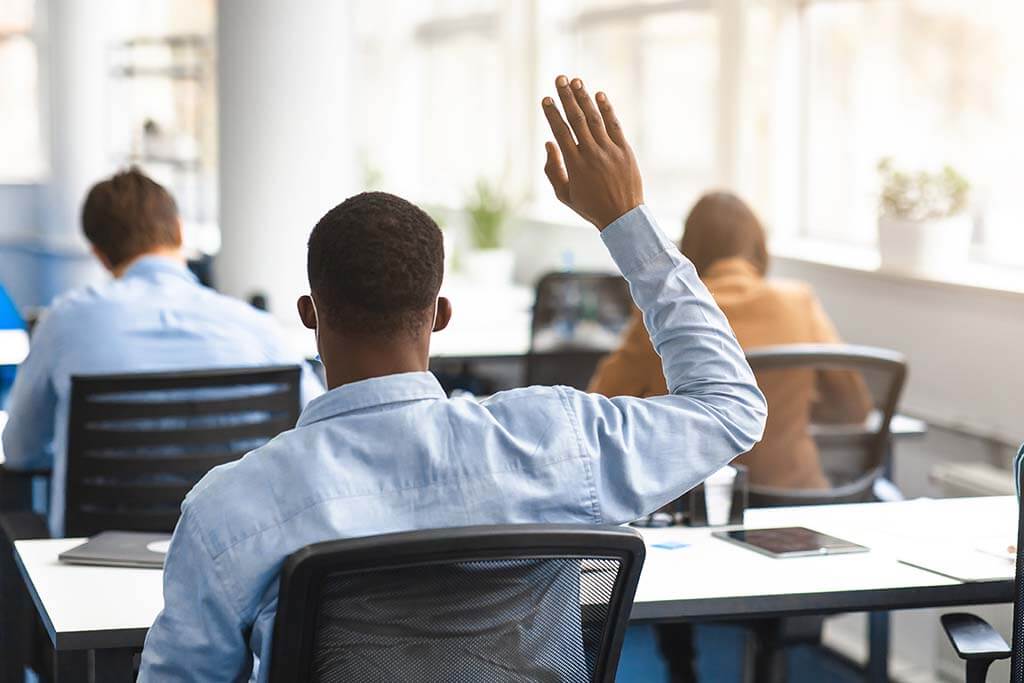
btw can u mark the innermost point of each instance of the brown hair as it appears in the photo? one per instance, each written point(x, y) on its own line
point(129, 215)
point(721, 226)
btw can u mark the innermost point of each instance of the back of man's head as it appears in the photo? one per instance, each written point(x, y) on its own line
point(375, 266)
point(129, 215)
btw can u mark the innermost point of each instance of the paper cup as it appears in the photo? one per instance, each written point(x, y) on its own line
point(718, 495)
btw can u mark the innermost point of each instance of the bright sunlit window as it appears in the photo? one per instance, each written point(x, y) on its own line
point(792, 104)
point(22, 158)
point(927, 82)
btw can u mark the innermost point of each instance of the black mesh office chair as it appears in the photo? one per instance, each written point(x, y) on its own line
point(977, 643)
point(137, 443)
point(577, 319)
point(852, 442)
point(853, 448)
point(488, 603)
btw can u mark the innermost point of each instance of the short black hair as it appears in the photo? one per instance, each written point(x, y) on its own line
point(375, 265)
point(129, 215)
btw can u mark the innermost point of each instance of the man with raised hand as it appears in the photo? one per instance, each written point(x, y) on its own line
point(385, 450)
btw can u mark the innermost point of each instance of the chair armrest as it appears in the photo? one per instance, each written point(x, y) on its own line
point(973, 638)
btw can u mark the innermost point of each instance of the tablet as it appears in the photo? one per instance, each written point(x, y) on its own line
point(120, 549)
point(791, 541)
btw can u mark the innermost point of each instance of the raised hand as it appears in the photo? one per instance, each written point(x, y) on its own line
point(594, 173)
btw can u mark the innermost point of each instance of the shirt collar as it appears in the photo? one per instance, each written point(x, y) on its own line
point(369, 393)
point(150, 266)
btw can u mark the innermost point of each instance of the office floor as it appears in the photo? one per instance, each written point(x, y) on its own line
point(720, 658)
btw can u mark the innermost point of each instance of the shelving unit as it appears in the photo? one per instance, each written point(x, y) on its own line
point(163, 119)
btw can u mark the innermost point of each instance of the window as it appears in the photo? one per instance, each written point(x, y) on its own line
point(790, 102)
point(661, 70)
point(927, 82)
point(22, 158)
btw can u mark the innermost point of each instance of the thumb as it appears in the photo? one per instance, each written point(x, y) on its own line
point(554, 169)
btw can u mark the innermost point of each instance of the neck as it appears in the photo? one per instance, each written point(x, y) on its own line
point(170, 253)
point(352, 360)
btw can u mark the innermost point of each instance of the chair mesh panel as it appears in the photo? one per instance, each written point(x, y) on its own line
point(482, 621)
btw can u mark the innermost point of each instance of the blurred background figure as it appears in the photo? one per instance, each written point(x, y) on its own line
point(726, 243)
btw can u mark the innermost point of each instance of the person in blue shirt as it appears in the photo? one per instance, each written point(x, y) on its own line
point(385, 450)
point(152, 316)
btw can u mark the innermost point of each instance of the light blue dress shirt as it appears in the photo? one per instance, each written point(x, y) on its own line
point(155, 317)
point(393, 453)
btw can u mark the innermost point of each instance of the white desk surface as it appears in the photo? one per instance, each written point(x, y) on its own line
point(118, 605)
point(942, 529)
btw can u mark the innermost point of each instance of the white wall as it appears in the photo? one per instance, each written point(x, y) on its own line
point(963, 344)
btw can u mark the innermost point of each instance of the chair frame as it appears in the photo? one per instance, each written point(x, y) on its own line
point(80, 465)
point(304, 571)
point(839, 357)
point(976, 642)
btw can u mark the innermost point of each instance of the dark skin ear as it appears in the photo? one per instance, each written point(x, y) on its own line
point(307, 311)
point(444, 314)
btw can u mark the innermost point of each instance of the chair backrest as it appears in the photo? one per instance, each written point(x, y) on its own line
point(853, 450)
point(577, 319)
point(137, 443)
point(511, 603)
point(1017, 646)
point(579, 311)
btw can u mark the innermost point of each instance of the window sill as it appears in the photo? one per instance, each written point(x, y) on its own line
point(972, 275)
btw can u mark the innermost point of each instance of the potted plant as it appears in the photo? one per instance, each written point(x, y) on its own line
point(923, 224)
point(487, 212)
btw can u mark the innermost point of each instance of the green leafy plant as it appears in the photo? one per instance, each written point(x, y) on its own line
point(921, 195)
point(488, 210)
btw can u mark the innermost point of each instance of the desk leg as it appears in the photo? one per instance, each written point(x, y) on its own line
point(113, 666)
point(71, 666)
point(878, 654)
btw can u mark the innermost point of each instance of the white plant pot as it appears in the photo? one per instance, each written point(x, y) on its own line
point(924, 246)
point(489, 266)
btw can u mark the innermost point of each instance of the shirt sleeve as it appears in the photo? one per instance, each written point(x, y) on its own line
point(647, 452)
point(633, 369)
point(199, 635)
point(32, 404)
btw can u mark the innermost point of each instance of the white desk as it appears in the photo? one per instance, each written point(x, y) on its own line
point(109, 610)
point(711, 579)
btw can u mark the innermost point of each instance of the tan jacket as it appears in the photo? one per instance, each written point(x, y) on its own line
point(762, 313)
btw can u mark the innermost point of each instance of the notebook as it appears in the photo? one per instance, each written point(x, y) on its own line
point(121, 549)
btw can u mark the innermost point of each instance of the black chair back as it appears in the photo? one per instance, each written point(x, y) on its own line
point(853, 450)
point(487, 603)
point(577, 319)
point(137, 443)
point(1017, 645)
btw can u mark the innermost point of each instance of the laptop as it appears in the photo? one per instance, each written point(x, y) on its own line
point(121, 549)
